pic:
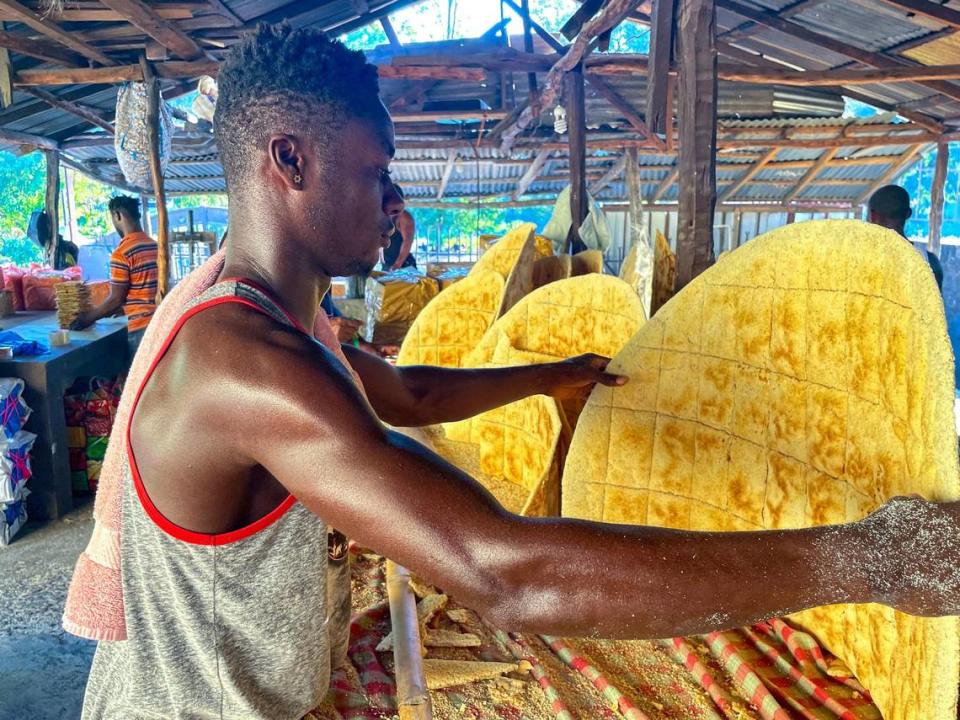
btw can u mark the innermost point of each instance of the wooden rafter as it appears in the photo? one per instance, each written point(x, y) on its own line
point(665, 184)
point(447, 172)
point(623, 107)
point(23, 14)
point(46, 51)
point(870, 76)
point(867, 57)
point(891, 174)
point(164, 32)
point(85, 113)
point(221, 8)
point(748, 175)
point(932, 10)
point(539, 161)
point(810, 175)
point(587, 10)
point(745, 30)
point(390, 32)
point(608, 177)
point(21, 138)
point(538, 28)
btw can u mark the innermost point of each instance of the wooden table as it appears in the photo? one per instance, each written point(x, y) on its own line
point(100, 350)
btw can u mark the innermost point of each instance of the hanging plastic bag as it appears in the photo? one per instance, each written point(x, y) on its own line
point(12, 517)
point(205, 103)
point(14, 410)
point(15, 467)
point(132, 137)
point(594, 230)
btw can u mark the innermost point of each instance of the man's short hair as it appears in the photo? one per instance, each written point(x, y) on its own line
point(282, 80)
point(891, 201)
point(126, 204)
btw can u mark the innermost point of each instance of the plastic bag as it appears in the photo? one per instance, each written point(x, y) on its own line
point(14, 411)
point(39, 290)
point(131, 137)
point(13, 283)
point(15, 466)
point(12, 517)
point(393, 301)
point(594, 231)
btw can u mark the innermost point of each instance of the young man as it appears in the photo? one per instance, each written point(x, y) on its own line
point(249, 438)
point(890, 207)
point(398, 253)
point(133, 274)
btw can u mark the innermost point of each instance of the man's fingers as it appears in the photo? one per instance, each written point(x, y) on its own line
point(611, 380)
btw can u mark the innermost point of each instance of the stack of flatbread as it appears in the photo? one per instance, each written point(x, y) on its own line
point(73, 298)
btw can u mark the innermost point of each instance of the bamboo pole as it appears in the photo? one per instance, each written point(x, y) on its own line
point(163, 225)
point(577, 119)
point(413, 697)
point(936, 197)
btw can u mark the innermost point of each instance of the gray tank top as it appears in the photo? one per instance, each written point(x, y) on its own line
point(230, 626)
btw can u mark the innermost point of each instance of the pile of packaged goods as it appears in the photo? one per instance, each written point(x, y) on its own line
point(90, 408)
point(34, 287)
point(393, 301)
point(15, 447)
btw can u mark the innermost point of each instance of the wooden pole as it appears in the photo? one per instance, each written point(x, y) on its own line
point(696, 41)
point(936, 197)
point(661, 50)
point(6, 76)
point(52, 204)
point(528, 43)
point(153, 130)
point(73, 231)
point(413, 697)
point(145, 209)
point(577, 138)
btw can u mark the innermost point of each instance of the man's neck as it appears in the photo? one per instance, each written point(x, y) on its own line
point(255, 253)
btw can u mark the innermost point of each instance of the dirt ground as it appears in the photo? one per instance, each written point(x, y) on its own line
point(43, 670)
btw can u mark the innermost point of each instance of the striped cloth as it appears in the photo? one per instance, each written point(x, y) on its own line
point(134, 264)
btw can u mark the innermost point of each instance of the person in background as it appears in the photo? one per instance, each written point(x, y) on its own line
point(890, 207)
point(133, 274)
point(398, 255)
point(66, 252)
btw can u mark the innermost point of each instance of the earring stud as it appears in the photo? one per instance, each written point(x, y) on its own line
point(297, 179)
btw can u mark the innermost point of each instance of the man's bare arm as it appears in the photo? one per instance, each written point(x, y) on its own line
point(408, 229)
point(419, 395)
point(553, 575)
point(109, 307)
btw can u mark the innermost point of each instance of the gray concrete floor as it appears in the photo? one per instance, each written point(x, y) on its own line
point(43, 670)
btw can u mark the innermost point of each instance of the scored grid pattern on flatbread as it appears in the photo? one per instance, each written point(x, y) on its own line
point(513, 256)
point(519, 442)
point(453, 322)
point(809, 377)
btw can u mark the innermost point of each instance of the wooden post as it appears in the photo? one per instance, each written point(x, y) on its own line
point(577, 137)
point(735, 233)
point(697, 86)
point(145, 210)
point(6, 76)
point(936, 197)
point(52, 204)
point(163, 227)
point(73, 231)
point(661, 51)
point(528, 43)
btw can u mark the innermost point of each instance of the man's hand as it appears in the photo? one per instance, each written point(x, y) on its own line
point(575, 377)
point(345, 328)
point(81, 322)
point(913, 548)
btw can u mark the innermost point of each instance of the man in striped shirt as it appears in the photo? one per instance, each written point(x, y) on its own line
point(133, 274)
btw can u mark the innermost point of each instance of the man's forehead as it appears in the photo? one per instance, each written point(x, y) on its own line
point(376, 132)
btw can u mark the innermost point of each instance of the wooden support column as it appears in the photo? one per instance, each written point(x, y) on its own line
point(577, 136)
point(6, 76)
point(528, 42)
point(153, 130)
point(145, 210)
point(661, 50)
point(936, 197)
point(73, 231)
point(52, 203)
point(697, 56)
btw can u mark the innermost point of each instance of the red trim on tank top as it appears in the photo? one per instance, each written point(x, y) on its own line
point(257, 286)
point(164, 523)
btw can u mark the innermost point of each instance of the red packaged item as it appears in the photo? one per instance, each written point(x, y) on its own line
point(39, 290)
point(13, 283)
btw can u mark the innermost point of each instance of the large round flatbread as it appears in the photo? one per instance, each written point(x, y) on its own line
point(802, 381)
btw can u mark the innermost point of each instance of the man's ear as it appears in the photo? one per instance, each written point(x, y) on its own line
point(909, 213)
point(287, 160)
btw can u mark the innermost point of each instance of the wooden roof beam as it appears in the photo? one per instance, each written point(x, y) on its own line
point(665, 184)
point(890, 175)
point(931, 10)
point(23, 14)
point(390, 32)
point(22, 138)
point(81, 111)
point(662, 31)
point(749, 175)
point(166, 33)
point(867, 57)
point(532, 172)
point(40, 50)
point(615, 171)
point(820, 78)
point(810, 175)
point(621, 104)
point(220, 8)
point(538, 29)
